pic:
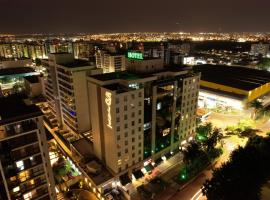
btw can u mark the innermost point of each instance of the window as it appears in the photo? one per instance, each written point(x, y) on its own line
point(133, 131)
point(118, 137)
point(140, 103)
point(117, 100)
point(140, 120)
point(125, 108)
point(126, 150)
point(133, 147)
point(119, 169)
point(133, 114)
point(126, 142)
point(133, 96)
point(20, 165)
point(118, 128)
point(117, 119)
point(16, 189)
point(140, 94)
point(126, 134)
point(140, 144)
point(133, 155)
point(117, 110)
point(132, 123)
point(139, 129)
point(139, 151)
point(140, 112)
point(126, 125)
point(119, 154)
point(125, 117)
point(133, 139)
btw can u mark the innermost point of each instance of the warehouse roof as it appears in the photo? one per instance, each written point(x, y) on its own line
point(233, 76)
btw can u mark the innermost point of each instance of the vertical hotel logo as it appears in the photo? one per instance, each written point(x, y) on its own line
point(108, 101)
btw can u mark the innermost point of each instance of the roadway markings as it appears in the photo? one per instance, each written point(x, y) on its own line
point(197, 195)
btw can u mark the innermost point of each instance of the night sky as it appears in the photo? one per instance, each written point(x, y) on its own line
point(105, 16)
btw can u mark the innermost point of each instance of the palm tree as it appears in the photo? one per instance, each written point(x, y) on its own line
point(256, 105)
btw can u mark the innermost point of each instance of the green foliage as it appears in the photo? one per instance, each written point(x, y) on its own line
point(204, 130)
point(242, 129)
point(264, 64)
point(199, 154)
point(244, 175)
point(38, 62)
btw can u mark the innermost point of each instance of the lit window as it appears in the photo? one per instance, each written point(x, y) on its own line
point(159, 106)
point(27, 196)
point(20, 165)
point(119, 162)
point(16, 189)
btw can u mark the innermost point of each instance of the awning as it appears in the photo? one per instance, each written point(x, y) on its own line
point(149, 167)
point(124, 179)
point(138, 174)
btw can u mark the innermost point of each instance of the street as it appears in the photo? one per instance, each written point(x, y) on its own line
point(193, 190)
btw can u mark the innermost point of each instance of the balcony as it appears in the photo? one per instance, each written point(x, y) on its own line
point(17, 128)
point(29, 174)
point(34, 191)
point(11, 169)
point(18, 142)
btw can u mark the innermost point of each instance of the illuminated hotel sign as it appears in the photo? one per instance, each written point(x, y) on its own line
point(135, 55)
point(108, 101)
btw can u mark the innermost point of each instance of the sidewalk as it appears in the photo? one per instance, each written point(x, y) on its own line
point(166, 170)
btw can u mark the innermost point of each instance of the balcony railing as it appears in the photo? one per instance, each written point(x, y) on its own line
point(16, 129)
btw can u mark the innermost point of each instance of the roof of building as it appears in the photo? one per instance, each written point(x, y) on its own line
point(118, 88)
point(13, 108)
point(14, 59)
point(119, 75)
point(16, 70)
point(32, 79)
point(76, 63)
point(233, 76)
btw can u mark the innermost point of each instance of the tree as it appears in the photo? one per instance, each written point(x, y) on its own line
point(244, 175)
point(212, 140)
point(193, 151)
point(38, 62)
point(203, 131)
point(257, 106)
point(264, 64)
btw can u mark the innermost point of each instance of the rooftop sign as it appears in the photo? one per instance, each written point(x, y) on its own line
point(135, 55)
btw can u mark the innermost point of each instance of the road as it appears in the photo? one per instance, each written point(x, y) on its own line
point(193, 190)
point(223, 120)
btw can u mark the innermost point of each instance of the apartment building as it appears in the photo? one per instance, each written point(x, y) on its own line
point(110, 62)
point(66, 90)
point(139, 114)
point(24, 158)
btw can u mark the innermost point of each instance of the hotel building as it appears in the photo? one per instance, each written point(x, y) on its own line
point(142, 113)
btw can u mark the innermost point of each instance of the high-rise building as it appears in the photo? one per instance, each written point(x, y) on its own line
point(142, 113)
point(110, 62)
point(66, 90)
point(24, 157)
